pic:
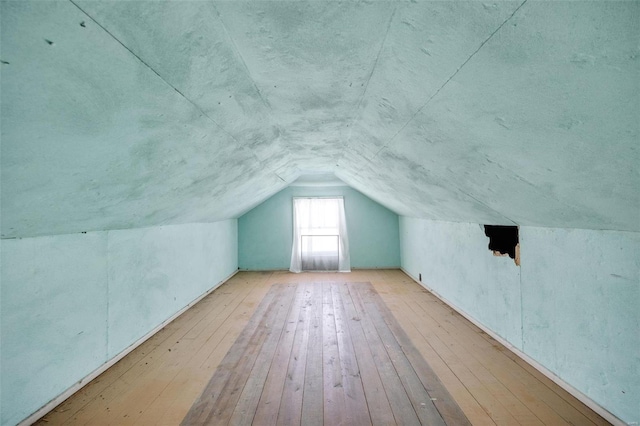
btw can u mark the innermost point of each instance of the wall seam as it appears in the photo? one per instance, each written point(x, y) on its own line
point(106, 348)
point(521, 298)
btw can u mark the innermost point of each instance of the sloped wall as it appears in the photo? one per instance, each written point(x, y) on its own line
point(72, 302)
point(573, 306)
point(265, 233)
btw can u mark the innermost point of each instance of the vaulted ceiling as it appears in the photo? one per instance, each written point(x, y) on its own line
point(130, 114)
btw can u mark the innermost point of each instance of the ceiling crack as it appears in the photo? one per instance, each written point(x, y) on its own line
point(390, 141)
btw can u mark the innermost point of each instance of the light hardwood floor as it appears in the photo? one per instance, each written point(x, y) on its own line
point(160, 381)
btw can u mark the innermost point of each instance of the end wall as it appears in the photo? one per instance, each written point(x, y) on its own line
point(70, 303)
point(573, 306)
point(265, 233)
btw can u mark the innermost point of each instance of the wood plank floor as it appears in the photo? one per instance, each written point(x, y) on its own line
point(368, 347)
point(367, 361)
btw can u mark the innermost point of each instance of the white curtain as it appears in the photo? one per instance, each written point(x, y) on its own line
point(319, 235)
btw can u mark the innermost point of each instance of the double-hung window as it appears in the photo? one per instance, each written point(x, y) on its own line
point(319, 235)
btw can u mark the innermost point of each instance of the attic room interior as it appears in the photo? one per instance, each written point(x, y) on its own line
point(152, 155)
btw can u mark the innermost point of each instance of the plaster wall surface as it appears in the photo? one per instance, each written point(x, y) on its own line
point(72, 302)
point(572, 306)
point(265, 233)
point(581, 311)
point(454, 260)
point(53, 317)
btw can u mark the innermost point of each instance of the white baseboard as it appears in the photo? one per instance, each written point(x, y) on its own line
point(606, 414)
point(353, 269)
point(263, 270)
point(376, 268)
point(82, 382)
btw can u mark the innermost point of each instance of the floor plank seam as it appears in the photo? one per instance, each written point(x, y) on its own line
point(389, 351)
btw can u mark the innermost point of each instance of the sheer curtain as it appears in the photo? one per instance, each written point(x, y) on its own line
point(320, 240)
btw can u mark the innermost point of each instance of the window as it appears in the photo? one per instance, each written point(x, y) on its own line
point(319, 235)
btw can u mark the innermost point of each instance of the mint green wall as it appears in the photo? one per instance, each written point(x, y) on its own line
point(265, 233)
point(72, 302)
point(573, 305)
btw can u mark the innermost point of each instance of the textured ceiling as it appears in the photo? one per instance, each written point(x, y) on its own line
point(130, 114)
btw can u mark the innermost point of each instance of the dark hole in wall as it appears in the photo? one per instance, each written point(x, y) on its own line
point(502, 239)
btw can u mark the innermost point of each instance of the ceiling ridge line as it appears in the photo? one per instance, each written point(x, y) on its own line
point(156, 73)
point(389, 142)
point(237, 51)
point(366, 86)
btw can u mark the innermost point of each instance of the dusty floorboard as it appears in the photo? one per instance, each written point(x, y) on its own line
point(368, 361)
point(396, 344)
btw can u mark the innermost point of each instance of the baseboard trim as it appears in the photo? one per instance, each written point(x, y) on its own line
point(263, 270)
point(376, 268)
point(353, 269)
point(104, 367)
point(606, 414)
